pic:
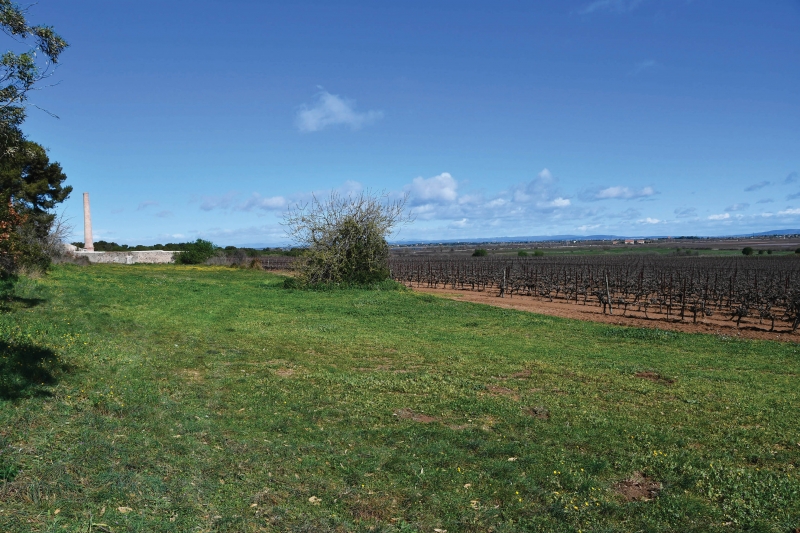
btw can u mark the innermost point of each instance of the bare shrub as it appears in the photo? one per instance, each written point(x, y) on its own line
point(345, 237)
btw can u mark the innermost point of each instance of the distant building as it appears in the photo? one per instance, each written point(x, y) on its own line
point(629, 241)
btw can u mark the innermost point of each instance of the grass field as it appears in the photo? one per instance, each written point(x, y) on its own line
point(164, 398)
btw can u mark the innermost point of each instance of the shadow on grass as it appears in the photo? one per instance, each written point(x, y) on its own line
point(10, 303)
point(26, 370)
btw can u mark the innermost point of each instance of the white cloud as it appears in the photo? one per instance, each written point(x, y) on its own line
point(624, 193)
point(438, 189)
point(559, 202)
point(789, 212)
point(649, 220)
point(256, 201)
point(332, 110)
point(724, 216)
point(737, 207)
point(542, 189)
point(587, 227)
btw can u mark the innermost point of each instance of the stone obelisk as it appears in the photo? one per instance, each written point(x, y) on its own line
point(88, 242)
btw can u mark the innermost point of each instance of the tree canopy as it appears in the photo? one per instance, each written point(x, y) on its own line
point(345, 237)
point(30, 185)
point(20, 72)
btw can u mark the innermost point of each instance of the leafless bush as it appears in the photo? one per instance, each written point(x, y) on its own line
point(345, 236)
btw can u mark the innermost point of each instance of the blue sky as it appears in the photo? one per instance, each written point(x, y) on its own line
point(187, 119)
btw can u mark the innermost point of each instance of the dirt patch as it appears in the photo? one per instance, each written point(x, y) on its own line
point(494, 390)
point(714, 325)
point(193, 376)
point(638, 488)
point(408, 414)
point(655, 378)
point(285, 372)
point(524, 374)
point(539, 412)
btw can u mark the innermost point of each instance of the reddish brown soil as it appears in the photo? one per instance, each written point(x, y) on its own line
point(638, 487)
point(715, 325)
point(494, 390)
point(652, 376)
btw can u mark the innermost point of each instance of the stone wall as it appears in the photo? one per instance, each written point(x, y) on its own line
point(128, 258)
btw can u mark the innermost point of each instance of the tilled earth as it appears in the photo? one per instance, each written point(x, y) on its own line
point(716, 325)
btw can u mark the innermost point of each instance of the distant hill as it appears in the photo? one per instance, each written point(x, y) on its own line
point(554, 238)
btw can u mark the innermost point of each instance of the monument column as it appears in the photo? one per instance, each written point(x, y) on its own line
point(88, 242)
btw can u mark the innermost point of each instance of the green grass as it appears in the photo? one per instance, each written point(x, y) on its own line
point(164, 398)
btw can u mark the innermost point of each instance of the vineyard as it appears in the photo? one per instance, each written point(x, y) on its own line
point(748, 291)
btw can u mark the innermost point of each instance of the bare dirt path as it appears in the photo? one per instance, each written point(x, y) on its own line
point(715, 325)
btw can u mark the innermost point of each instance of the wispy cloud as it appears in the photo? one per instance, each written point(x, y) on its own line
point(587, 227)
point(218, 202)
point(723, 216)
point(617, 193)
point(686, 212)
point(642, 66)
point(737, 207)
point(650, 220)
point(164, 214)
point(786, 212)
point(333, 110)
point(618, 6)
point(791, 178)
point(758, 186)
point(147, 203)
point(793, 196)
point(765, 201)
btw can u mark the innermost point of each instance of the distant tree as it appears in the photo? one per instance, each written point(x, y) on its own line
point(747, 250)
point(522, 253)
point(196, 253)
point(538, 253)
point(344, 237)
point(480, 252)
point(797, 251)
